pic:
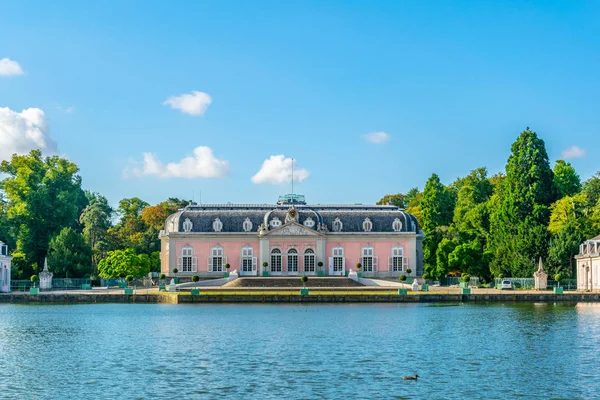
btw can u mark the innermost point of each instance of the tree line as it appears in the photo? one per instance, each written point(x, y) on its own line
point(486, 226)
point(500, 225)
point(44, 212)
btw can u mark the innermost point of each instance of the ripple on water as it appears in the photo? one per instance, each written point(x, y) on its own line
point(294, 351)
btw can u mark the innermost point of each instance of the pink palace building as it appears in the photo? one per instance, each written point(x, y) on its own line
point(291, 238)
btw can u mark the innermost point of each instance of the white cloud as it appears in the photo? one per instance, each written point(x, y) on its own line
point(573, 152)
point(377, 137)
point(24, 131)
point(9, 67)
point(202, 164)
point(277, 170)
point(194, 103)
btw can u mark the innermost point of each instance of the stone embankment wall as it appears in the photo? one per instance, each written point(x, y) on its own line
point(172, 298)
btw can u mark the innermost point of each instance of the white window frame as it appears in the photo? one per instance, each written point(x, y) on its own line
point(276, 266)
point(397, 225)
point(367, 225)
point(187, 225)
point(217, 259)
point(337, 259)
point(337, 225)
point(275, 222)
point(187, 260)
point(292, 261)
point(396, 261)
point(247, 260)
point(368, 259)
point(217, 225)
point(309, 260)
point(309, 222)
point(247, 225)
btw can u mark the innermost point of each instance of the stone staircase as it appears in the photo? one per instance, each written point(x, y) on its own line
point(288, 282)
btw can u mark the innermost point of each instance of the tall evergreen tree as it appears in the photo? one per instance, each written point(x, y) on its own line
point(436, 211)
point(518, 224)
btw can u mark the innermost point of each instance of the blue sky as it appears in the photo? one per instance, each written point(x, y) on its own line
point(451, 84)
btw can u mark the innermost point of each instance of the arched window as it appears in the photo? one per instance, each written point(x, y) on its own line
point(247, 225)
point(367, 225)
point(275, 222)
point(187, 225)
point(292, 260)
point(275, 260)
point(368, 259)
point(217, 260)
point(248, 261)
point(396, 263)
point(397, 225)
point(337, 225)
point(217, 225)
point(309, 260)
point(187, 261)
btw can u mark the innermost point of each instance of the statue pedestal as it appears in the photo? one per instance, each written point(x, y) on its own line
point(541, 277)
point(415, 286)
point(45, 278)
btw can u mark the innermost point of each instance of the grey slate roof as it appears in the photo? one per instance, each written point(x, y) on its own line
point(233, 216)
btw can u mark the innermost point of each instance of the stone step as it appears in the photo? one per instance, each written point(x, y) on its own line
point(295, 282)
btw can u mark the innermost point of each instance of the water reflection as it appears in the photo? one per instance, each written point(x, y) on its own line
point(299, 351)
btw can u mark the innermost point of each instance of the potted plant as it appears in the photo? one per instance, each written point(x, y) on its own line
point(34, 290)
point(464, 283)
point(161, 282)
point(558, 278)
point(358, 268)
point(163, 277)
point(227, 266)
point(196, 291)
point(175, 278)
point(408, 279)
point(265, 272)
point(320, 272)
point(464, 280)
point(425, 285)
point(402, 279)
point(128, 279)
point(304, 290)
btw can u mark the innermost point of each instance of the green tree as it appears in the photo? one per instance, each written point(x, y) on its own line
point(122, 263)
point(397, 200)
point(519, 220)
point(43, 196)
point(437, 207)
point(564, 245)
point(566, 180)
point(96, 220)
point(69, 256)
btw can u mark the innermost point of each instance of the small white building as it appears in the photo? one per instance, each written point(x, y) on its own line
point(4, 268)
point(588, 265)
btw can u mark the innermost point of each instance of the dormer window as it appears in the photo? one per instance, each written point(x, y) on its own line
point(217, 225)
point(367, 225)
point(187, 225)
point(397, 225)
point(275, 222)
point(309, 222)
point(337, 225)
point(247, 225)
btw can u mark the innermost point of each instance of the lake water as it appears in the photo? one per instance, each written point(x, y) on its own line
point(144, 351)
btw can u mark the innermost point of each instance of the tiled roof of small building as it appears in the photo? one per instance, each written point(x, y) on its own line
point(232, 217)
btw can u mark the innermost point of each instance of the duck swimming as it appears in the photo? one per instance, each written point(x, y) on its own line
point(410, 378)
